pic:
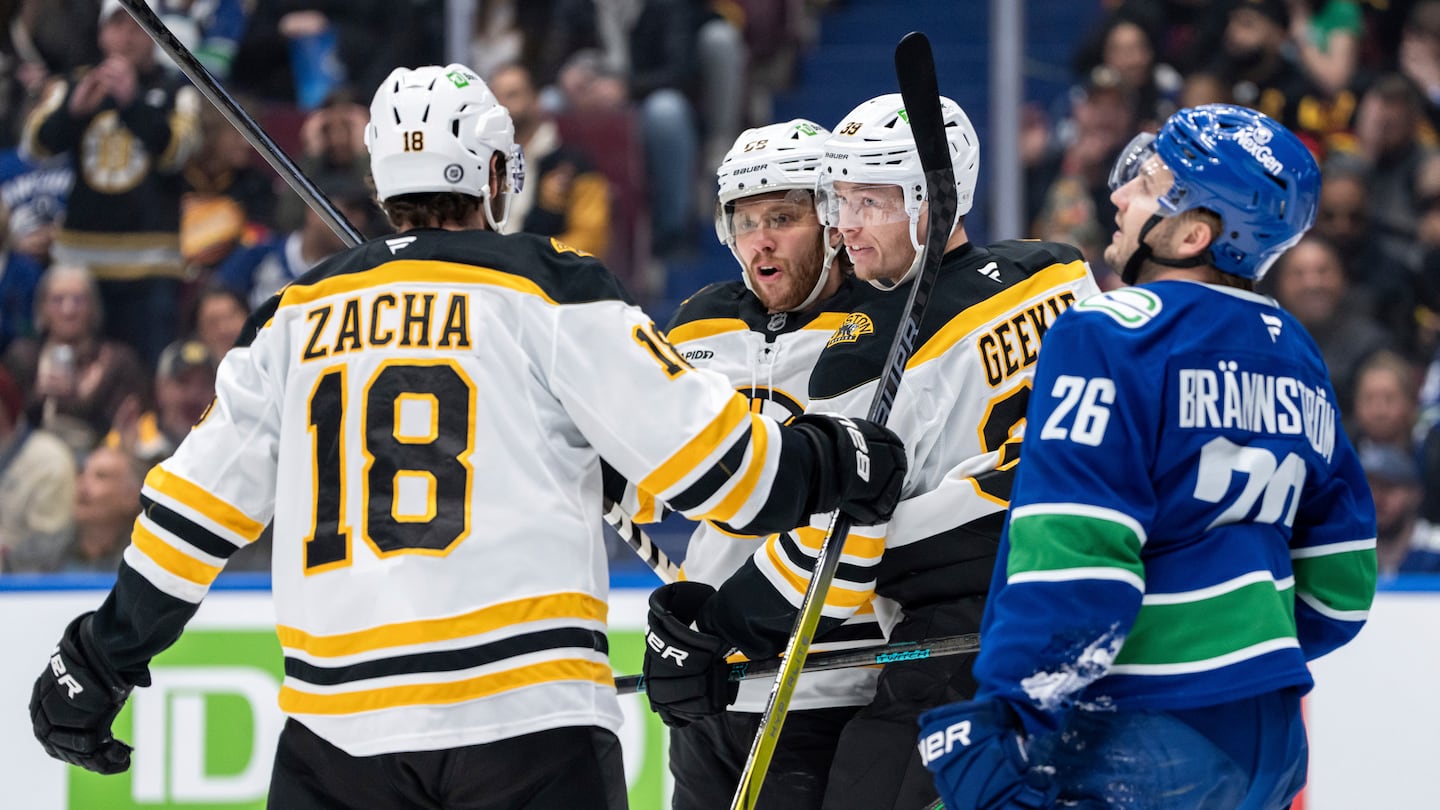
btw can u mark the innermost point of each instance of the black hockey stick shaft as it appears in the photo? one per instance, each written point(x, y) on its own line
point(877, 655)
point(241, 120)
point(915, 71)
point(246, 125)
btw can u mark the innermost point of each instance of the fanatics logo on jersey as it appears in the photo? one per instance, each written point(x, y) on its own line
point(1272, 325)
point(990, 271)
point(399, 243)
point(855, 325)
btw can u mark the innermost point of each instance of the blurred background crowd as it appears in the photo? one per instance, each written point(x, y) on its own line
point(138, 228)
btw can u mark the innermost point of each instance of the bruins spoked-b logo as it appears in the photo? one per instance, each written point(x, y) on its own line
point(113, 160)
point(772, 402)
point(855, 325)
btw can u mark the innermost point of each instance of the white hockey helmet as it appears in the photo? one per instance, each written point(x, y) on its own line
point(778, 157)
point(874, 145)
point(434, 129)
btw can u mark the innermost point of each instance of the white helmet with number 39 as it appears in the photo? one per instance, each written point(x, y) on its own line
point(778, 157)
point(434, 129)
point(874, 146)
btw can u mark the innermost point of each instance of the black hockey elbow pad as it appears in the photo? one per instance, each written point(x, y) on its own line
point(860, 466)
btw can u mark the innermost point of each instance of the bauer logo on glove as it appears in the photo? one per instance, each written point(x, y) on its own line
point(934, 746)
point(665, 650)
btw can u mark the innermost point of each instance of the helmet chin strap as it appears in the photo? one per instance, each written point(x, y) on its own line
point(1143, 253)
point(826, 264)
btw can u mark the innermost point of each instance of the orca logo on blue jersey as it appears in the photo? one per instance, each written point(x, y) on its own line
point(1131, 307)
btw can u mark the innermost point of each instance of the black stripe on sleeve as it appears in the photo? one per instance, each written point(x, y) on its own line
point(188, 530)
point(846, 572)
point(749, 613)
point(853, 631)
point(449, 660)
point(715, 477)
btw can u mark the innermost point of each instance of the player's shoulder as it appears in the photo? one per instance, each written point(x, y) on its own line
point(1179, 307)
point(721, 299)
point(564, 273)
point(1035, 255)
point(542, 266)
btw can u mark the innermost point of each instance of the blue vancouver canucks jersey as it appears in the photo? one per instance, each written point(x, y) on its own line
point(1190, 525)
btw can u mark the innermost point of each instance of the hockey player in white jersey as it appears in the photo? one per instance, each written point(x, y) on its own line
point(423, 417)
point(765, 331)
point(960, 410)
point(1190, 525)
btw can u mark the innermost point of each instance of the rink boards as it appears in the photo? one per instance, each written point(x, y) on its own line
point(205, 732)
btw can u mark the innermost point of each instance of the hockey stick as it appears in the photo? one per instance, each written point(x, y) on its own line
point(878, 654)
point(632, 534)
point(641, 543)
point(241, 120)
point(915, 70)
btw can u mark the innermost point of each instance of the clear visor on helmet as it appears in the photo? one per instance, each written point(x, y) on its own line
point(750, 217)
point(843, 204)
point(1140, 160)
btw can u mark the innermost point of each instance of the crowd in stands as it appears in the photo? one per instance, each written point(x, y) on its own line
point(138, 228)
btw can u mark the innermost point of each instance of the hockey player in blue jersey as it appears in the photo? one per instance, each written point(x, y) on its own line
point(1191, 525)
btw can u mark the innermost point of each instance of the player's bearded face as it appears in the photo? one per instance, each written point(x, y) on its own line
point(779, 238)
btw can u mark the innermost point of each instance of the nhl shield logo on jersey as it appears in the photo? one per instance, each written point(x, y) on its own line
point(855, 325)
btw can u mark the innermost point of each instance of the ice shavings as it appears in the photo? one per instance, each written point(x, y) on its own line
point(1051, 691)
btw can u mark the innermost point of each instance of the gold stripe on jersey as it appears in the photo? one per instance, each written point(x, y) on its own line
point(711, 327)
point(172, 559)
point(390, 697)
point(409, 272)
point(179, 490)
point(702, 446)
point(836, 596)
point(569, 605)
point(1049, 279)
point(705, 328)
point(827, 321)
point(857, 546)
point(647, 510)
point(742, 489)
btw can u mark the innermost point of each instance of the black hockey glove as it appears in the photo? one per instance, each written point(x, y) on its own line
point(865, 470)
point(686, 677)
point(76, 699)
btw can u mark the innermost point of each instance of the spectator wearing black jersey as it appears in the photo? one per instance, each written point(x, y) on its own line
point(130, 126)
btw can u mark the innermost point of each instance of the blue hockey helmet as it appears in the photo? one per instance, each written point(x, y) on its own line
point(1255, 174)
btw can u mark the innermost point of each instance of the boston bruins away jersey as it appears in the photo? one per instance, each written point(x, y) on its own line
point(422, 416)
point(960, 411)
point(768, 358)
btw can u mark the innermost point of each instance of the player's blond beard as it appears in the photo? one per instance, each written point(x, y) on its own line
point(800, 285)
